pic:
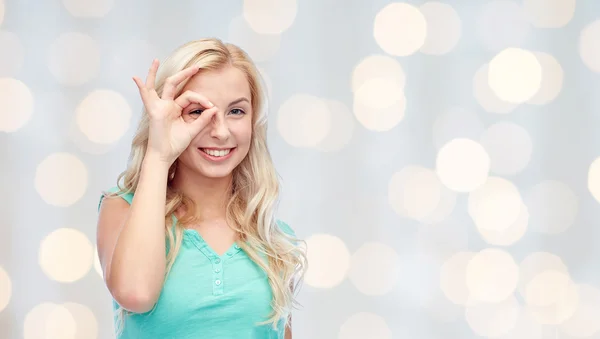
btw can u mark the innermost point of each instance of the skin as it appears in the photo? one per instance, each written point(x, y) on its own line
point(130, 238)
point(207, 182)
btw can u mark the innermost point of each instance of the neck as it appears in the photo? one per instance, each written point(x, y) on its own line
point(210, 195)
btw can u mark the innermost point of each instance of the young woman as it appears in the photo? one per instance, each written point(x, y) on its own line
point(188, 241)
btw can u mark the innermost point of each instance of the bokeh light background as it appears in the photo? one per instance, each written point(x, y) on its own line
point(442, 159)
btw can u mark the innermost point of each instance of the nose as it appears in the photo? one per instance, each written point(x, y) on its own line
point(219, 130)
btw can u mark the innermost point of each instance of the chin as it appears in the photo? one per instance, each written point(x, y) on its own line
point(214, 173)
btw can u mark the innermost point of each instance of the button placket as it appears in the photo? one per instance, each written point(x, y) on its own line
point(217, 263)
point(217, 280)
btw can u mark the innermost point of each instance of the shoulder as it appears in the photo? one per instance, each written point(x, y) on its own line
point(285, 228)
point(115, 192)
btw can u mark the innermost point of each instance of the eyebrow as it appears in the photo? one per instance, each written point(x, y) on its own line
point(237, 101)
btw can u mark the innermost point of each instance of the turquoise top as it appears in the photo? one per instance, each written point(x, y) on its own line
point(208, 296)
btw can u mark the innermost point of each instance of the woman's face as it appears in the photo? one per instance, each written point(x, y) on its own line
point(222, 145)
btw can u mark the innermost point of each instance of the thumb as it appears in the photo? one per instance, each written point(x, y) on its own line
point(197, 125)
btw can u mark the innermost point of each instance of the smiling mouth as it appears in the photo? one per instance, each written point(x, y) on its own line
point(216, 152)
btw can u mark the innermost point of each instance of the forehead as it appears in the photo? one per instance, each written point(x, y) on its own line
point(222, 84)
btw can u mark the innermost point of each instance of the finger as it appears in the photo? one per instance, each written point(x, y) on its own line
point(147, 97)
point(189, 97)
point(175, 80)
point(197, 125)
point(140, 85)
point(142, 89)
point(151, 78)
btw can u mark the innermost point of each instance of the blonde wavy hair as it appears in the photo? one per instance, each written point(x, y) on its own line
point(255, 187)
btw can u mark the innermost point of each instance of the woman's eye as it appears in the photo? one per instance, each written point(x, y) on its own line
point(237, 111)
point(197, 111)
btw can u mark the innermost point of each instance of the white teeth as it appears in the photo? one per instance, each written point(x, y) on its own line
point(216, 153)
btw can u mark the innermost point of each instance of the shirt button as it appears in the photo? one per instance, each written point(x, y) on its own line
point(217, 270)
point(229, 254)
point(236, 247)
point(218, 261)
point(217, 282)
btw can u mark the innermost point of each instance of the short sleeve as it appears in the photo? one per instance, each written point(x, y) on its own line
point(286, 228)
point(126, 196)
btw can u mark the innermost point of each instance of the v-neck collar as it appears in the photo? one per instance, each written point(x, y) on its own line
point(204, 247)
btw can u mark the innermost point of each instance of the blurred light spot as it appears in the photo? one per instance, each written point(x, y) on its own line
point(496, 205)
point(552, 79)
point(74, 59)
point(542, 289)
point(49, 321)
point(553, 207)
point(526, 327)
point(85, 320)
point(61, 179)
point(10, 63)
point(453, 277)
point(549, 13)
point(97, 264)
point(593, 181)
point(536, 263)
point(341, 131)
point(88, 8)
point(509, 146)
point(84, 143)
point(492, 276)
point(375, 269)
point(378, 66)
point(443, 28)
point(495, 319)
point(444, 208)
point(589, 46)
point(441, 240)
point(270, 16)
point(379, 104)
point(103, 116)
point(304, 120)
point(552, 297)
point(462, 165)
point(5, 289)
point(414, 192)
point(260, 47)
point(365, 325)
point(515, 75)
point(400, 29)
point(66, 255)
point(378, 93)
point(456, 123)
point(584, 322)
point(17, 104)
point(488, 100)
point(510, 235)
point(502, 24)
point(328, 261)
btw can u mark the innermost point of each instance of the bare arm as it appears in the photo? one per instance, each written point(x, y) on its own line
point(131, 240)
